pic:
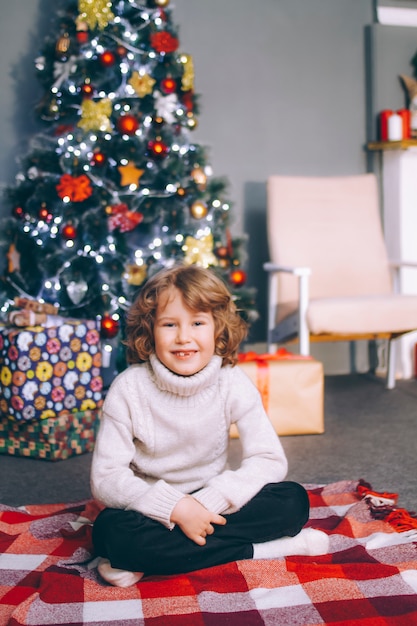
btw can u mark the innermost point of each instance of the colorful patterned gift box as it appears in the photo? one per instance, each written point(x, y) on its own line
point(48, 372)
point(51, 439)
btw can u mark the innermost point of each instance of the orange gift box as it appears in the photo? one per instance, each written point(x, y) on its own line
point(292, 391)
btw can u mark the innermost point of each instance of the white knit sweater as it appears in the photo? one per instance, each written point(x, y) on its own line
point(163, 435)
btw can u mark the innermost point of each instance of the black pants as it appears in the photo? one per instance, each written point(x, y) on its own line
point(134, 542)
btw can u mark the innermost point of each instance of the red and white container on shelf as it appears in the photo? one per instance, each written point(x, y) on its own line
point(383, 124)
point(405, 115)
point(394, 125)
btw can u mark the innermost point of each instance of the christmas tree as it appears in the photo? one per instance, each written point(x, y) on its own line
point(112, 188)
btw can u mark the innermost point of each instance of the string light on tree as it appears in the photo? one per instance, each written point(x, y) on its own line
point(109, 327)
point(108, 58)
point(168, 85)
point(99, 158)
point(158, 148)
point(69, 232)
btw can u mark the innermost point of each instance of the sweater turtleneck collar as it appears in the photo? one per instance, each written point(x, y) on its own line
point(184, 385)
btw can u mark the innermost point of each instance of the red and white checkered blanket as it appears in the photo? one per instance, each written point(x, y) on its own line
point(369, 576)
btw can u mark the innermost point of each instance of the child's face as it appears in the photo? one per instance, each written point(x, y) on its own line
point(184, 339)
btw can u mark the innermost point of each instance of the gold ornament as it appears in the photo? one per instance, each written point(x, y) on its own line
point(199, 177)
point(198, 209)
point(63, 44)
point(135, 274)
point(142, 85)
point(130, 174)
point(95, 115)
point(162, 3)
point(187, 82)
point(199, 251)
point(95, 13)
point(13, 257)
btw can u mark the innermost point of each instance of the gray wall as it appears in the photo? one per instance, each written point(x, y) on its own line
point(282, 86)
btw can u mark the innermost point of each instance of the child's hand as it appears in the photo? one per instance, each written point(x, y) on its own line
point(195, 521)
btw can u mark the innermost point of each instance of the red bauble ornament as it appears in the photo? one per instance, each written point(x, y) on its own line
point(168, 85)
point(121, 51)
point(69, 232)
point(18, 212)
point(87, 90)
point(82, 36)
point(109, 327)
point(188, 101)
point(238, 277)
point(108, 58)
point(199, 209)
point(127, 124)
point(222, 252)
point(98, 159)
point(158, 148)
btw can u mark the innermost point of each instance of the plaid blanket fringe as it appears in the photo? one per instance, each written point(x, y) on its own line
point(369, 577)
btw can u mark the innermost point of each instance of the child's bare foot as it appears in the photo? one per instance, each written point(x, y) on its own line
point(117, 577)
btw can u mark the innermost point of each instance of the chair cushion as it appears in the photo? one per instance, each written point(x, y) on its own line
point(365, 314)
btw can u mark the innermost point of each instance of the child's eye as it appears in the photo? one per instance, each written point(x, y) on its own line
point(199, 323)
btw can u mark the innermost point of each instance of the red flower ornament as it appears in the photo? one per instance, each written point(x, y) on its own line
point(76, 188)
point(163, 41)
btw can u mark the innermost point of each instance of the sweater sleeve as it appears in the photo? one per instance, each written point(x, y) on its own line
point(263, 457)
point(113, 482)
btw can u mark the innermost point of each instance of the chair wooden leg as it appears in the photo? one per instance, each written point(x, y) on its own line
point(352, 357)
point(373, 356)
point(390, 384)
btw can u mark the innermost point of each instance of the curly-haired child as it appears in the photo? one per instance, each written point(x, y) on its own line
point(160, 463)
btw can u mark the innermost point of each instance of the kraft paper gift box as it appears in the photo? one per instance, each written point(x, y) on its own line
point(51, 439)
point(292, 391)
point(46, 372)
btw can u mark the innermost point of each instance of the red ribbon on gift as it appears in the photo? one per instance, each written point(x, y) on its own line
point(262, 372)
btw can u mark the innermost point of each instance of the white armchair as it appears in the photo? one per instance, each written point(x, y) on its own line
point(329, 277)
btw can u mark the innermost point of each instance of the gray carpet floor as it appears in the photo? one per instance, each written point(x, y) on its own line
point(371, 433)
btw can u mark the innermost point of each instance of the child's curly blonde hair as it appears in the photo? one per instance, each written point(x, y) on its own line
point(202, 290)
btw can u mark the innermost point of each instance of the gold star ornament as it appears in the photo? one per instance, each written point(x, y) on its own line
point(13, 257)
point(130, 174)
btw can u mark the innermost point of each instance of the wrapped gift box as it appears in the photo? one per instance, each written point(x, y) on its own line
point(52, 439)
point(46, 372)
point(292, 391)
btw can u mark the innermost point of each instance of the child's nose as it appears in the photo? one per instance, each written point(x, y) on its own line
point(183, 334)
